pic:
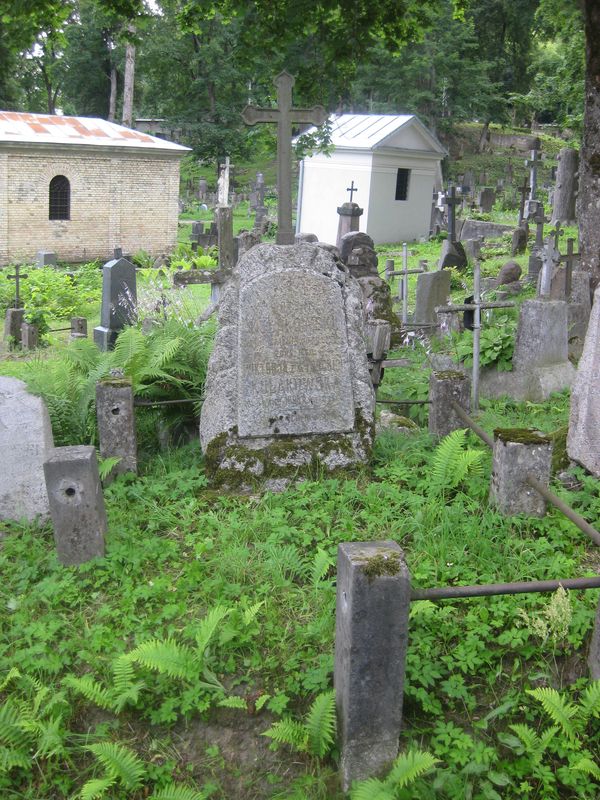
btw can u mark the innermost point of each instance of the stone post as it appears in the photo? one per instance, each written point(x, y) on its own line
point(518, 453)
point(371, 638)
point(78, 328)
point(444, 387)
point(565, 191)
point(29, 336)
point(350, 214)
point(542, 334)
point(224, 219)
point(12, 324)
point(116, 423)
point(594, 654)
point(76, 503)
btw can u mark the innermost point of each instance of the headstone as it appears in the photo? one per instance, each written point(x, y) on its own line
point(518, 243)
point(433, 289)
point(509, 273)
point(78, 328)
point(25, 442)
point(202, 189)
point(349, 214)
point(116, 423)
point(12, 325)
point(565, 191)
point(452, 255)
point(443, 388)
point(287, 382)
point(244, 241)
point(486, 200)
point(76, 503)
point(45, 258)
point(583, 441)
point(518, 453)
point(472, 248)
point(478, 229)
point(310, 238)
point(119, 301)
point(29, 336)
point(541, 334)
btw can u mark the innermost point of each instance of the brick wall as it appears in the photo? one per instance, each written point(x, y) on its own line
point(117, 200)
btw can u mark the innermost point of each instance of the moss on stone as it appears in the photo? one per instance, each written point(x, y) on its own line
point(387, 563)
point(560, 457)
point(118, 383)
point(450, 375)
point(382, 304)
point(521, 436)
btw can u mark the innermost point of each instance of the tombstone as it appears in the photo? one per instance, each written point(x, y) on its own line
point(287, 383)
point(433, 289)
point(119, 300)
point(533, 163)
point(349, 214)
point(583, 440)
point(78, 328)
point(76, 503)
point(357, 252)
point(13, 322)
point(479, 229)
point(45, 258)
point(244, 241)
point(565, 190)
point(29, 336)
point(452, 255)
point(473, 248)
point(469, 181)
point(486, 200)
point(310, 238)
point(116, 423)
point(517, 454)
point(518, 242)
point(444, 388)
point(202, 189)
point(25, 442)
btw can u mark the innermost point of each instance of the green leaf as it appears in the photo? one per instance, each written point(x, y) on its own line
point(321, 724)
point(410, 766)
point(208, 627)
point(120, 763)
point(166, 656)
point(96, 788)
point(234, 702)
point(176, 791)
point(371, 789)
point(560, 710)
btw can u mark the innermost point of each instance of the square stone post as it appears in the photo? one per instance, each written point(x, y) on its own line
point(371, 636)
point(444, 387)
point(116, 423)
point(78, 328)
point(76, 504)
point(12, 324)
point(518, 453)
point(29, 336)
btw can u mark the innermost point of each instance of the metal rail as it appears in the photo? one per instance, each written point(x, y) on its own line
point(137, 402)
point(403, 402)
point(490, 589)
point(471, 423)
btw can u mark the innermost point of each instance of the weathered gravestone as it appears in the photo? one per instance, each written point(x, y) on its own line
point(119, 300)
point(583, 441)
point(25, 442)
point(433, 289)
point(486, 199)
point(288, 384)
point(44, 258)
point(565, 190)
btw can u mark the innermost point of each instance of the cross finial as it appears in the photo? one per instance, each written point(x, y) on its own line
point(352, 188)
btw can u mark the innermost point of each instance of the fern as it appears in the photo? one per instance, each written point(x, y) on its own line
point(585, 764)
point(166, 656)
point(321, 724)
point(120, 763)
point(371, 789)
point(558, 709)
point(320, 566)
point(405, 770)
point(452, 464)
point(289, 731)
point(177, 792)
point(589, 703)
point(208, 627)
point(96, 788)
point(12, 673)
point(90, 689)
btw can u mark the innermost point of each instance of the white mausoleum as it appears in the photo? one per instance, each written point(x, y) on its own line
point(395, 163)
point(81, 187)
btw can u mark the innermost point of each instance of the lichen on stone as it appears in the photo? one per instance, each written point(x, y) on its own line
point(384, 563)
point(521, 436)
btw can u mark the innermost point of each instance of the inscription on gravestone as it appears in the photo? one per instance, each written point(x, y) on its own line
point(293, 364)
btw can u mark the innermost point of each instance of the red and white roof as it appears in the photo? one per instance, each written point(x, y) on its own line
point(55, 129)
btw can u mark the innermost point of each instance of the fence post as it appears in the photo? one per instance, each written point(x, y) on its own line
point(519, 453)
point(444, 387)
point(116, 423)
point(371, 637)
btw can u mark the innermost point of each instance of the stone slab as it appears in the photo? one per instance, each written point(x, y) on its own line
point(542, 334)
point(433, 289)
point(535, 384)
point(25, 441)
point(475, 229)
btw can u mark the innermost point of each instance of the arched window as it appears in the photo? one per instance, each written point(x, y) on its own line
point(60, 198)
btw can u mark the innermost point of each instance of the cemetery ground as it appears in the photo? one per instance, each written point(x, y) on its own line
point(195, 659)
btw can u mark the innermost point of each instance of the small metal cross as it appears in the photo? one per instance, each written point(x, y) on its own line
point(352, 188)
point(17, 277)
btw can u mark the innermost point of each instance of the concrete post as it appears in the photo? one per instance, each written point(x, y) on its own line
point(78, 328)
point(116, 423)
point(29, 336)
point(76, 503)
point(371, 637)
point(444, 387)
point(518, 453)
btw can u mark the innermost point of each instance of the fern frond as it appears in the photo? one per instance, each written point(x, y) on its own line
point(124, 689)
point(12, 673)
point(320, 566)
point(530, 740)
point(321, 724)
point(371, 789)
point(208, 626)
point(234, 702)
point(558, 709)
point(166, 352)
point(166, 656)
point(120, 763)
point(589, 704)
point(408, 767)
point(288, 731)
point(90, 689)
point(11, 720)
point(177, 791)
point(588, 766)
point(49, 738)
point(9, 759)
point(249, 614)
point(445, 458)
point(96, 788)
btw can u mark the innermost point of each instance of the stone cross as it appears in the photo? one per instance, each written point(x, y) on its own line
point(451, 201)
point(533, 163)
point(223, 184)
point(352, 188)
point(17, 278)
point(284, 115)
point(523, 191)
point(556, 234)
point(551, 260)
point(569, 261)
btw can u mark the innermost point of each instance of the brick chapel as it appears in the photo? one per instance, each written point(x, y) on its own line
point(81, 187)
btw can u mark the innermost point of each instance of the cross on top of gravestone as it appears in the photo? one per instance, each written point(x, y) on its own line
point(352, 188)
point(533, 163)
point(556, 234)
point(17, 278)
point(284, 115)
point(223, 183)
point(451, 201)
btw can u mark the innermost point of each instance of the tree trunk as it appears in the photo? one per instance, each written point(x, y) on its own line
point(128, 83)
point(484, 136)
point(565, 189)
point(589, 182)
point(112, 100)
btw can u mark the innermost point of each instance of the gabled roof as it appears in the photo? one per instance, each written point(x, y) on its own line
point(55, 129)
point(372, 131)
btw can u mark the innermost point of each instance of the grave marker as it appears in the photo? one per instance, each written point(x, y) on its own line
point(285, 116)
point(533, 163)
point(119, 300)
